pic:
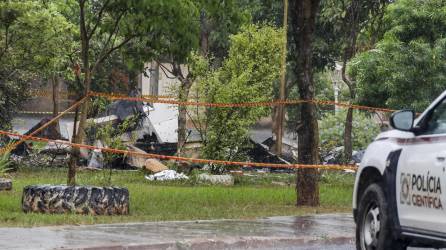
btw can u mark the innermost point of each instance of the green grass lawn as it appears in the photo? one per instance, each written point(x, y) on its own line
point(251, 197)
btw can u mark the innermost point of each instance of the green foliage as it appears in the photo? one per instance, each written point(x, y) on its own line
point(407, 67)
point(331, 130)
point(149, 22)
point(5, 165)
point(264, 11)
point(34, 41)
point(247, 75)
point(24, 27)
point(336, 15)
point(221, 19)
point(110, 136)
point(98, 106)
point(124, 34)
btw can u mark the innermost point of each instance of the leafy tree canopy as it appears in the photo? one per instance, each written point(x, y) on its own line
point(33, 41)
point(223, 18)
point(126, 34)
point(247, 75)
point(407, 67)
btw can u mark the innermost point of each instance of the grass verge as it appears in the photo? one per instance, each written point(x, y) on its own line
point(252, 197)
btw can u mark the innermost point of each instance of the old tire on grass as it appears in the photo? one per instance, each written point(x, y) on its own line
point(5, 184)
point(78, 199)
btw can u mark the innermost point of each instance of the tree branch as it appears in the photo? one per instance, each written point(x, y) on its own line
point(164, 69)
point(85, 44)
point(110, 51)
point(115, 30)
point(350, 49)
point(104, 53)
point(101, 12)
point(176, 69)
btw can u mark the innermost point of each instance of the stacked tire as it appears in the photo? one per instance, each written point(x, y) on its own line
point(75, 199)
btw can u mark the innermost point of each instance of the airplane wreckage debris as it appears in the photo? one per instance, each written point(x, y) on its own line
point(155, 132)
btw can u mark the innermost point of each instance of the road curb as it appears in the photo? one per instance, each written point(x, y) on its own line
point(229, 243)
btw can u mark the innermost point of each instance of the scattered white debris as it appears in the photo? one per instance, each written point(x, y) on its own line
point(167, 175)
point(57, 145)
point(263, 170)
point(226, 180)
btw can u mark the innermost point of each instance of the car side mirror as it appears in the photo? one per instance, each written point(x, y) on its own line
point(403, 120)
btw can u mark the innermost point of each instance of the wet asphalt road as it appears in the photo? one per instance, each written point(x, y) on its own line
point(324, 246)
point(332, 232)
point(267, 233)
point(350, 246)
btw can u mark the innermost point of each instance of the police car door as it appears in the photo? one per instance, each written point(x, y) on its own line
point(421, 176)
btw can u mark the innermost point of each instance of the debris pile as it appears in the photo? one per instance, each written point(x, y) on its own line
point(40, 159)
point(336, 156)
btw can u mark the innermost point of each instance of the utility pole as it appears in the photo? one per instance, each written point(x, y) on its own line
point(281, 108)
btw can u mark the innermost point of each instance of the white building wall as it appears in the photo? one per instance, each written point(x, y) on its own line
point(158, 79)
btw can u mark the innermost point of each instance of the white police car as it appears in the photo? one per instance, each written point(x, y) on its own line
point(399, 198)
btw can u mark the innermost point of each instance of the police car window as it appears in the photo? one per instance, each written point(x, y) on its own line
point(437, 122)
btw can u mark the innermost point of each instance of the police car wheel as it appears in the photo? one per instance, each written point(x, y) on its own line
point(374, 228)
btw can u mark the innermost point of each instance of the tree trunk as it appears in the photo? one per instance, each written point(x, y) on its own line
point(204, 34)
point(303, 23)
point(182, 115)
point(274, 125)
point(349, 52)
point(55, 86)
point(84, 110)
point(348, 126)
point(348, 144)
point(154, 78)
point(278, 128)
point(186, 84)
point(80, 131)
point(74, 154)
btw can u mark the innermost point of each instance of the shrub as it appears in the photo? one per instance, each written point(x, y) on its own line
point(5, 164)
point(331, 130)
point(248, 74)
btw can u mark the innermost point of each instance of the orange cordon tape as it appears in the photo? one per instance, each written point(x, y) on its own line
point(231, 105)
point(176, 158)
point(46, 93)
point(188, 103)
point(162, 99)
point(40, 112)
point(12, 146)
point(348, 105)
